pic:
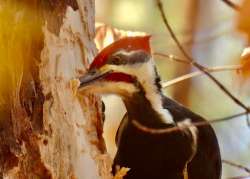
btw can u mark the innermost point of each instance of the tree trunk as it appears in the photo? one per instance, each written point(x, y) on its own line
point(47, 129)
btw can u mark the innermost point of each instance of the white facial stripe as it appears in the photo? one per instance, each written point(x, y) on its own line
point(121, 88)
point(146, 76)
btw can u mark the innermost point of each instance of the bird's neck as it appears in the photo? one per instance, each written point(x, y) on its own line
point(145, 106)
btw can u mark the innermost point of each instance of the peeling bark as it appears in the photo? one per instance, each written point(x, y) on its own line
point(48, 130)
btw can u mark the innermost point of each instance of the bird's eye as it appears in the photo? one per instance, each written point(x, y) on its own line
point(92, 71)
point(115, 60)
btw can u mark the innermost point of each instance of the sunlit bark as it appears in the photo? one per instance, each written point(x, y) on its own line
point(49, 130)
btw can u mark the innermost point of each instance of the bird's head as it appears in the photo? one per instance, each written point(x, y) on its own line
point(122, 68)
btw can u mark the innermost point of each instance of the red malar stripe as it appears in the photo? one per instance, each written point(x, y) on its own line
point(119, 77)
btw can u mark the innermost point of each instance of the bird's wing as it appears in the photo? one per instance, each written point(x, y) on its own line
point(180, 112)
point(120, 129)
point(207, 146)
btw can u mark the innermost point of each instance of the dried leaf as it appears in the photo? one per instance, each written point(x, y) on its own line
point(244, 18)
point(121, 173)
point(244, 72)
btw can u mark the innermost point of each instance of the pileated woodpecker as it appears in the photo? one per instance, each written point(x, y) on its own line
point(126, 68)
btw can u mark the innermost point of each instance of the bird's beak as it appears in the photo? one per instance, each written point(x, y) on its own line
point(92, 76)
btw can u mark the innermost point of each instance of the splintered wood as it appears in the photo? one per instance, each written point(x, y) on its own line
point(52, 132)
point(74, 129)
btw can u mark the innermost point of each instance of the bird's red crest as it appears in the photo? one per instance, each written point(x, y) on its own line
point(127, 43)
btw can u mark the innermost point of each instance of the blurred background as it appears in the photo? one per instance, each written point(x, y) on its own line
point(207, 30)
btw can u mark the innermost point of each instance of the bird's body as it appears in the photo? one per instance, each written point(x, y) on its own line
point(127, 69)
point(166, 155)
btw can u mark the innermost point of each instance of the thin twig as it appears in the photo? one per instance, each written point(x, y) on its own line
point(176, 128)
point(172, 57)
point(241, 167)
point(195, 64)
point(236, 165)
point(232, 5)
point(199, 73)
point(240, 177)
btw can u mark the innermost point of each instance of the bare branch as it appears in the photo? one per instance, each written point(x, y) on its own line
point(240, 177)
point(176, 128)
point(236, 165)
point(172, 57)
point(231, 5)
point(199, 73)
point(196, 64)
point(241, 167)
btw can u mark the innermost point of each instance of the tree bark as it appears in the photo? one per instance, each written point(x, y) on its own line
point(48, 130)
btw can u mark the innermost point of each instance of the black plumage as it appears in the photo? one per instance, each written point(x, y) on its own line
point(151, 156)
point(126, 68)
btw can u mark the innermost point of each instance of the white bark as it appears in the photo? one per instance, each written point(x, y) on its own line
point(71, 145)
point(73, 130)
